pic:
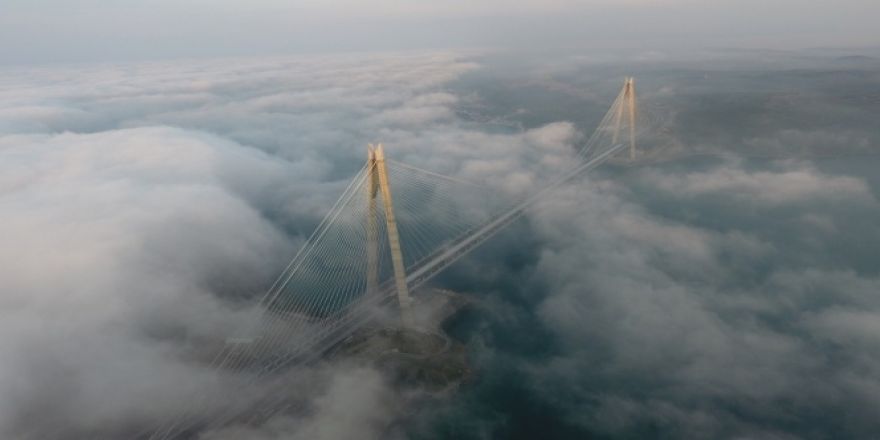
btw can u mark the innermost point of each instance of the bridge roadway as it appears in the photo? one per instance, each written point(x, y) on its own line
point(363, 312)
point(331, 331)
point(360, 314)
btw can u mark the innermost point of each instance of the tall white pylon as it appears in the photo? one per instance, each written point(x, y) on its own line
point(378, 176)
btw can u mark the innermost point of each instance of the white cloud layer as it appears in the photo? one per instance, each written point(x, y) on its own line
point(141, 201)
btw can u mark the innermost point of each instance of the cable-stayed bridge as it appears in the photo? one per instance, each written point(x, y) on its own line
point(393, 228)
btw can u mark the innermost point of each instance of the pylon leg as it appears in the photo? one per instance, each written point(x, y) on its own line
point(394, 241)
point(372, 224)
point(631, 103)
point(618, 114)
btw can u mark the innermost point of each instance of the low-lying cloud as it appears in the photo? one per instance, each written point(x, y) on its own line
point(145, 204)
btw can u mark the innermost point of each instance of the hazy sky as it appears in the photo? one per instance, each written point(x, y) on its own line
point(110, 30)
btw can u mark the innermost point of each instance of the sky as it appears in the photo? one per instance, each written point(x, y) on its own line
point(161, 162)
point(42, 31)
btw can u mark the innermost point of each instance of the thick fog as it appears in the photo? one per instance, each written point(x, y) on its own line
point(725, 286)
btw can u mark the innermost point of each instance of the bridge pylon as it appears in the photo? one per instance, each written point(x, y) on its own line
point(625, 114)
point(377, 183)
